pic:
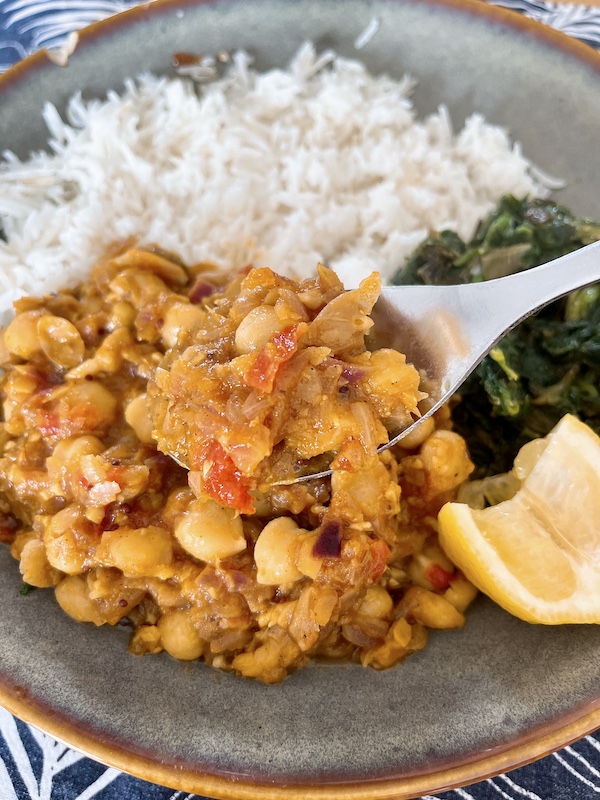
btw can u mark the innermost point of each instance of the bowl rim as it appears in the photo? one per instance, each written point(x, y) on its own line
point(526, 748)
point(530, 747)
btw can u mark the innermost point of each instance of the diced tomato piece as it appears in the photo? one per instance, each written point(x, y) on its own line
point(49, 424)
point(438, 577)
point(380, 553)
point(273, 355)
point(223, 480)
point(59, 424)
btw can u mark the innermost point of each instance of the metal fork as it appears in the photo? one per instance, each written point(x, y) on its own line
point(446, 331)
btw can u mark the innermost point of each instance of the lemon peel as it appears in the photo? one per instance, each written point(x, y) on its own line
point(538, 554)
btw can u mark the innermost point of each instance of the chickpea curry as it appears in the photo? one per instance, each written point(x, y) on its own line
point(155, 418)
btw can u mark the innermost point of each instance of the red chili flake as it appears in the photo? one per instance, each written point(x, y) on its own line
point(438, 577)
point(223, 480)
point(123, 602)
point(273, 355)
point(329, 541)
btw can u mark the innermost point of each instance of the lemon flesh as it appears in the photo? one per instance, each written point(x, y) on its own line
point(538, 554)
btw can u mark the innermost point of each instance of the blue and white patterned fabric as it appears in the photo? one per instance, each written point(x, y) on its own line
point(35, 767)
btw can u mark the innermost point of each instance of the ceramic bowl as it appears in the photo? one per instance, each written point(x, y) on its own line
point(476, 702)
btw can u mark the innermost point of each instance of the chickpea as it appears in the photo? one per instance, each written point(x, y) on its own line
point(137, 414)
point(180, 321)
point(107, 358)
point(275, 552)
point(94, 394)
point(391, 384)
point(432, 610)
point(307, 563)
point(445, 460)
point(19, 542)
point(73, 597)
point(71, 449)
point(431, 568)
point(376, 603)
point(88, 405)
point(60, 340)
point(64, 461)
point(123, 314)
point(20, 384)
point(401, 632)
point(35, 567)
point(21, 336)
point(137, 551)
point(137, 287)
point(179, 637)
point(77, 407)
point(66, 541)
point(4, 351)
point(149, 261)
point(416, 438)
point(209, 531)
point(256, 329)
point(460, 593)
point(178, 501)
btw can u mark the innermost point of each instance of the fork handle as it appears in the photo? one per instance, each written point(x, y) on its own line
point(448, 330)
point(527, 292)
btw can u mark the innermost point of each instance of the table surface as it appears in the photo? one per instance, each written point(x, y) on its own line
point(34, 766)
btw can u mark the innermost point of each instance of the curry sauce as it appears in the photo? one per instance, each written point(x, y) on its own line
point(155, 420)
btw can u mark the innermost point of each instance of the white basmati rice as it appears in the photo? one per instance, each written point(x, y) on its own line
point(322, 161)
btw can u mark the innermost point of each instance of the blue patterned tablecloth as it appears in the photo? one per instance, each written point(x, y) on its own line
point(35, 767)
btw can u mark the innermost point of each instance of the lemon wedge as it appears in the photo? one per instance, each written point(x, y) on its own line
point(538, 554)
